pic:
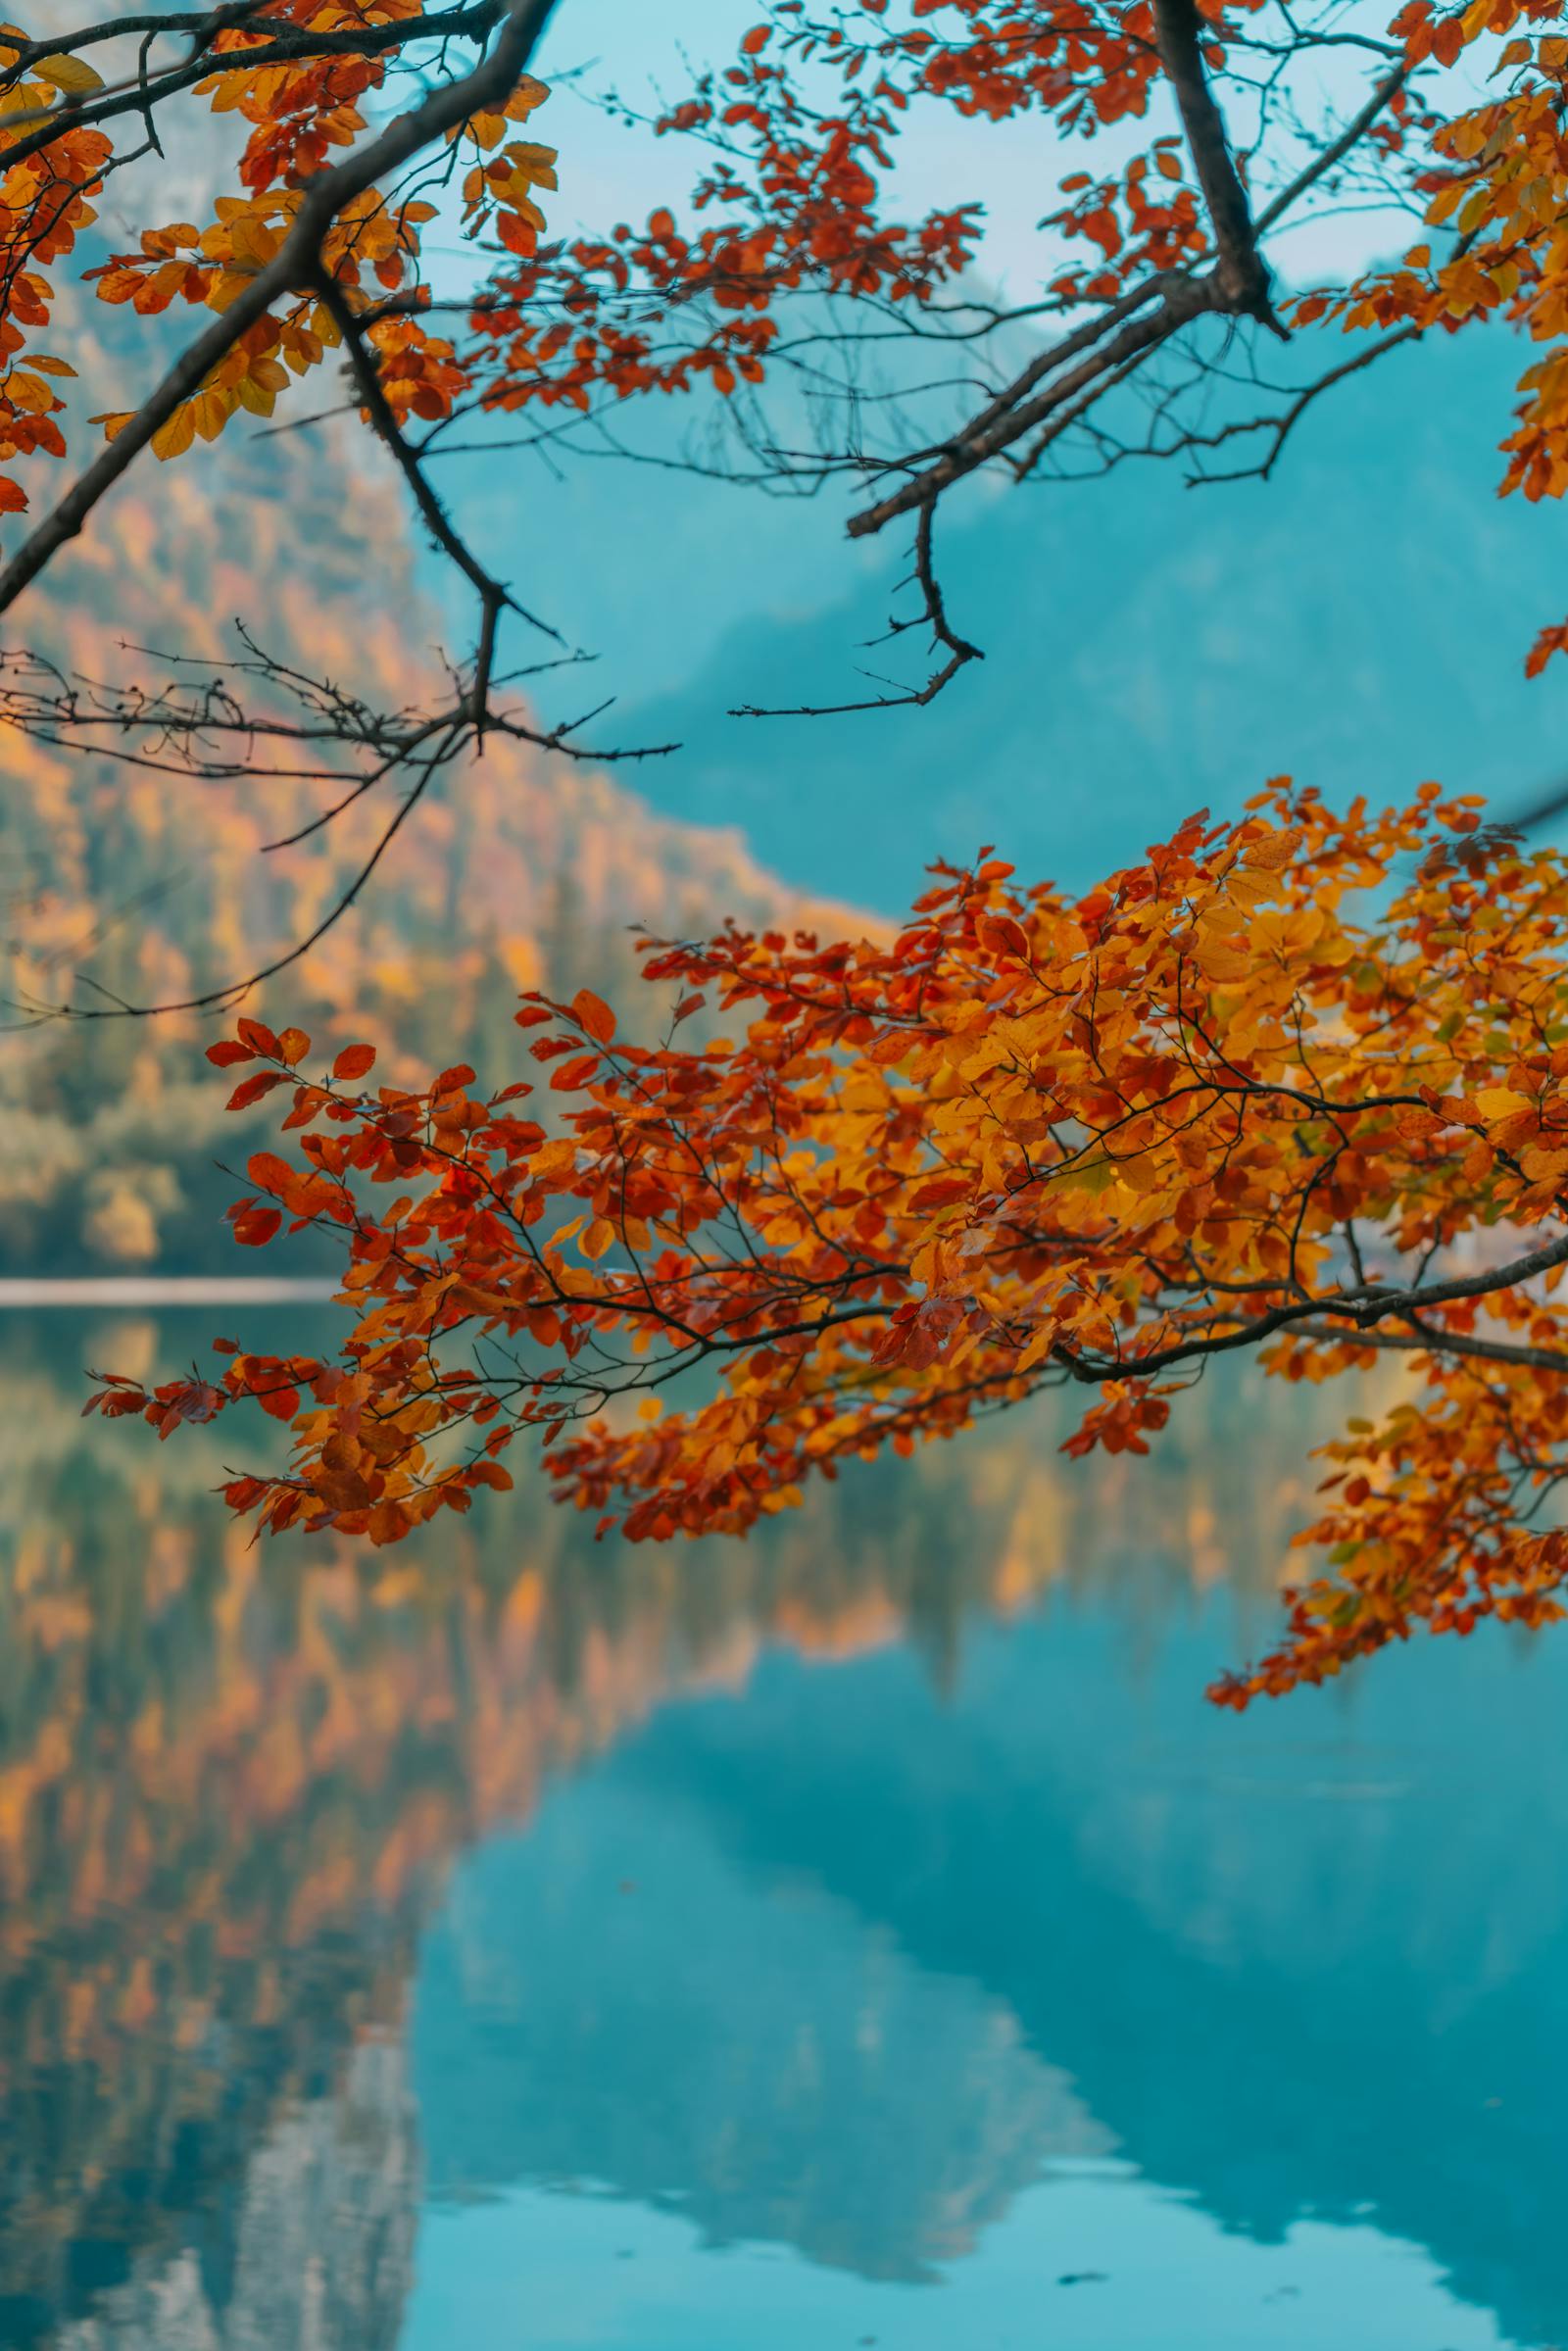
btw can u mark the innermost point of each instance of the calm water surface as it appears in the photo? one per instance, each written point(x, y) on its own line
point(865, 1936)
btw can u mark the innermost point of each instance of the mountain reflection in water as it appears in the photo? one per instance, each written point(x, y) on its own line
point(818, 1897)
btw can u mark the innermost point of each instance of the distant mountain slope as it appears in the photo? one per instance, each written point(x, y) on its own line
point(517, 871)
point(1361, 621)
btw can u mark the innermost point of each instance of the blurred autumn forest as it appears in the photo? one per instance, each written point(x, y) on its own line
point(262, 1771)
point(534, 875)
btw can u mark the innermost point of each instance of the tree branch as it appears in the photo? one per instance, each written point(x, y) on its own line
point(295, 264)
point(1240, 273)
point(1238, 286)
point(290, 47)
point(1188, 299)
point(1335, 152)
point(493, 593)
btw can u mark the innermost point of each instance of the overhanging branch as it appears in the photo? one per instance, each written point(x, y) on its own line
point(295, 265)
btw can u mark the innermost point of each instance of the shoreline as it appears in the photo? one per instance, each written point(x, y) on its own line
point(166, 1290)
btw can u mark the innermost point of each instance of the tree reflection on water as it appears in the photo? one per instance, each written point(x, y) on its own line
point(841, 1964)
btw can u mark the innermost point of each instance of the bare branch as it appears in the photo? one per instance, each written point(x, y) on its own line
point(1335, 152)
point(493, 595)
point(933, 614)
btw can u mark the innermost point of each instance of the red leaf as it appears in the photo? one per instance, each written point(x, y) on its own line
point(354, 1061)
point(942, 1191)
point(255, 1227)
point(227, 1050)
point(251, 1089)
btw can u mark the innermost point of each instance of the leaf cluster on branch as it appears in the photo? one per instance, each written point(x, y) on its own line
point(1214, 1106)
point(783, 255)
point(1032, 1143)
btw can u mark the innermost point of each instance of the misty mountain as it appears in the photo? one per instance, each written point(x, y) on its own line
point(1361, 621)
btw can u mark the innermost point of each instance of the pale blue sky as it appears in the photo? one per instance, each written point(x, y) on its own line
point(609, 172)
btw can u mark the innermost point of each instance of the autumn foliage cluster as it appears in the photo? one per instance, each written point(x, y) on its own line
point(1298, 1085)
point(797, 137)
point(1293, 1085)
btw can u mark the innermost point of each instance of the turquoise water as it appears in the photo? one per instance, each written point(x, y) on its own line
point(865, 1937)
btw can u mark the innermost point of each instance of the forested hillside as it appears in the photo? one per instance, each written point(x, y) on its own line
point(1129, 677)
point(520, 870)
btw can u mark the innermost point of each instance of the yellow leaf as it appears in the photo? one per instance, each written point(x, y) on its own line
point(174, 437)
point(556, 1157)
point(1253, 889)
point(70, 75)
point(1273, 849)
point(213, 412)
point(1095, 1176)
point(1219, 960)
point(29, 393)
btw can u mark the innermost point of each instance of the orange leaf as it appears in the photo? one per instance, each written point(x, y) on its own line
point(490, 1473)
point(269, 1172)
point(1000, 935)
point(594, 1014)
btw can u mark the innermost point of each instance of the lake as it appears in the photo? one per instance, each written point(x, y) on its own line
point(861, 1936)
